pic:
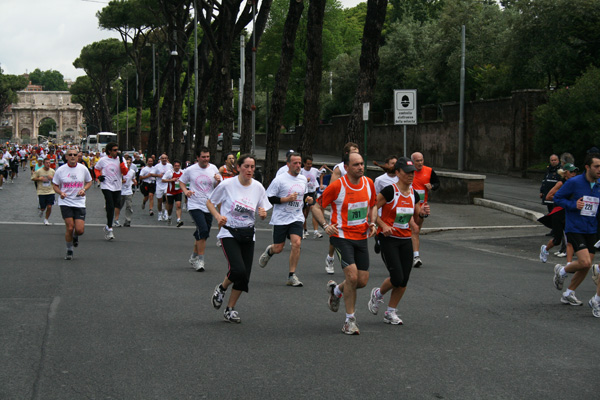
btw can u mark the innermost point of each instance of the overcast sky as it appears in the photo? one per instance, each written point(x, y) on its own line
point(49, 34)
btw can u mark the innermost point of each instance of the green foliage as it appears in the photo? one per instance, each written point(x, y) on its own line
point(419, 10)
point(570, 121)
point(9, 85)
point(129, 115)
point(49, 80)
point(46, 126)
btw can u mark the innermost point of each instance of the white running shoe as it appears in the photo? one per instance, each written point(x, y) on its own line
point(417, 262)
point(294, 281)
point(595, 306)
point(558, 278)
point(318, 235)
point(116, 223)
point(333, 301)
point(595, 273)
point(305, 235)
point(160, 216)
point(46, 222)
point(329, 266)
point(392, 318)
point(350, 327)
point(374, 302)
point(264, 257)
point(218, 242)
point(199, 265)
point(571, 299)
point(543, 254)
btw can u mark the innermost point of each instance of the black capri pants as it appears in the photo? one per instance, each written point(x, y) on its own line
point(239, 262)
point(113, 199)
point(397, 254)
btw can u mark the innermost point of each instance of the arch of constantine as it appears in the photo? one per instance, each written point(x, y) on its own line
point(33, 107)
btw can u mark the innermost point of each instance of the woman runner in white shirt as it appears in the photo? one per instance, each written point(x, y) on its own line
point(240, 199)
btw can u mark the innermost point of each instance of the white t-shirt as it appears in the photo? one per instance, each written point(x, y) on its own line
point(341, 167)
point(161, 169)
point(111, 169)
point(202, 182)
point(282, 170)
point(239, 203)
point(126, 188)
point(313, 178)
point(3, 163)
point(71, 180)
point(384, 180)
point(285, 185)
point(145, 171)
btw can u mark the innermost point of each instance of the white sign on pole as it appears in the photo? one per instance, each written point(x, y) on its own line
point(366, 107)
point(405, 107)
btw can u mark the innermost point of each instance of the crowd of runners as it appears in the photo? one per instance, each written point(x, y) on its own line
point(349, 208)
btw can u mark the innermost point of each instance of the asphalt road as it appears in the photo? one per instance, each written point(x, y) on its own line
point(130, 319)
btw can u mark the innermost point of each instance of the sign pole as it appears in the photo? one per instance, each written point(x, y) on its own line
point(405, 110)
point(404, 140)
point(366, 107)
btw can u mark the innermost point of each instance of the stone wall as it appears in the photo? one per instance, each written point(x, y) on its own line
point(498, 135)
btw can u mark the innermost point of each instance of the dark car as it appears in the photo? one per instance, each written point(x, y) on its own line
point(235, 139)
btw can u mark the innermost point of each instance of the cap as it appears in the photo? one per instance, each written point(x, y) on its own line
point(405, 164)
point(288, 153)
point(570, 167)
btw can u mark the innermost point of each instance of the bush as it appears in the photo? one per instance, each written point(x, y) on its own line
point(570, 121)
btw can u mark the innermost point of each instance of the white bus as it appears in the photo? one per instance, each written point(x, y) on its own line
point(97, 143)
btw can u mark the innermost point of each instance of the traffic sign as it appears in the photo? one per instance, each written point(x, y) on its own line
point(405, 107)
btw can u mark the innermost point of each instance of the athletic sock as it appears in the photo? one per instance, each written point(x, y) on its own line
point(562, 271)
point(390, 309)
point(568, 292)
point(70, 246)
point(348, 316)
point(329, 258)
point(194, 255)
point(221, 287)
point(415, 254)
point(597, 298)
point(201, 257)
point(378, 294)
point(290, 274)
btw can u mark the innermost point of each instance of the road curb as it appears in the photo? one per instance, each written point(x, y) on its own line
point(521, 212)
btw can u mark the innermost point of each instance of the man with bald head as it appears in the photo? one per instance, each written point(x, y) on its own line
point(424, 181)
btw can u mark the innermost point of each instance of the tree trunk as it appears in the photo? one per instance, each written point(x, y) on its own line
point(246, 131)
point(314, 70)
point(369, 64)
point(281, 84)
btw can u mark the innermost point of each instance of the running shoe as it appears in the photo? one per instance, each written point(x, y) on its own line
point(417, 262)
point(117, 223)
point(318, 235)
point(199, 265)
point(217, 297)
point(543, 254)
point(350, 327)
point(595, 306)
point(219, 243)
point(46, 222)
point(305, 235)
point(110, 234)
point(333, 301)
point(558, 279)
point(294, 281)
point(232, 316)
point(560, 254)
point(69, 255)
point(571, 299)
point(192, 261)
point(377, 248)
point(595, 273)
point(151, 213)
point(390, 317)
point(179, 223)
point(329, 266)
point(374, 301)
point(127, 224)
point(264, 258)
point(160, 216)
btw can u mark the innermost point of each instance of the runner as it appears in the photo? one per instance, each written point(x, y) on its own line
point(45, 191)
point(110, 171)
point(424, 181)
point(579, 196)
point(161, 187)
point(203, 177)
point(388, 177)
point(353, 205)
point(126, 195)
point(312, 176)
point(4, 167)
point(174, 192)
point(397, 204)
point(148, 185)
point(338, 171)
point(240, 199)
point(228, 169)
point(71, 183)
point(286, 193)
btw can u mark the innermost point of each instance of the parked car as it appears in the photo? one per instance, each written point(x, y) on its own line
point(235, 139)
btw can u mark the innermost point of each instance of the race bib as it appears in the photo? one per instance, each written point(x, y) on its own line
point(177, 185)
point(590, 206)
point(46, 183)
point(403, 216)
point(357, 213)
point(421, 196)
